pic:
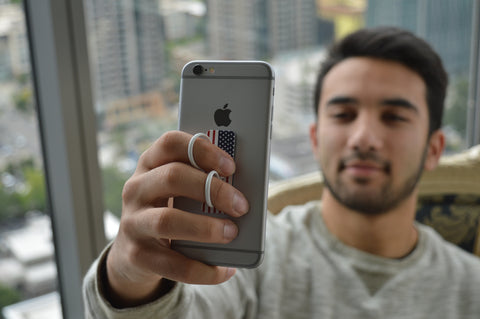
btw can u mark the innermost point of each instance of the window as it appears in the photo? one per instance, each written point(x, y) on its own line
point(106, 75)
point(69, 152)
point(27, 255)
point(159, 37)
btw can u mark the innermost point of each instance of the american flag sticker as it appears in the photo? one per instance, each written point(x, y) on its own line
point(226, 141)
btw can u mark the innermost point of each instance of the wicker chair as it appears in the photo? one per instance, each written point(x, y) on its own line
point(449, 197)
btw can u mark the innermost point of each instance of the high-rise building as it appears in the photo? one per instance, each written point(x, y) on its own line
point(445, 24)
point(260, 29)
point(182, 19)
point(127, 49)
point(13, 44)
point(292, 25)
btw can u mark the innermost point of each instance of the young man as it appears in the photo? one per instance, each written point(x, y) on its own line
point(357, 253)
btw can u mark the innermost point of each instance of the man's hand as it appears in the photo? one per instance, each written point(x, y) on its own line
point(141, 256)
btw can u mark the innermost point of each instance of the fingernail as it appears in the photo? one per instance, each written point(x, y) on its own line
point(227, 166)
point(240, 204)
point(230, 272)
point(230, 231)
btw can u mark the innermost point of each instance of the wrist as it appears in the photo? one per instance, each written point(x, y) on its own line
point(121, 292)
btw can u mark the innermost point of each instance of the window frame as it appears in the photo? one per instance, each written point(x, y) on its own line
point(67, 124)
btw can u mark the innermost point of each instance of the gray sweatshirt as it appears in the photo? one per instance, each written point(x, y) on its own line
point(308, 273)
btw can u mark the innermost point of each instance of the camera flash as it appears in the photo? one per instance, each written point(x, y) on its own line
point(211, 70)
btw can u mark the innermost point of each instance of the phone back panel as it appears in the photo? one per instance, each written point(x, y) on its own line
point(246, 89)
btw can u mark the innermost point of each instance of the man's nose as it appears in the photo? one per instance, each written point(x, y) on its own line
point(366, 134)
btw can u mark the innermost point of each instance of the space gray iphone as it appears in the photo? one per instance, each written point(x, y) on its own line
point(232, 102)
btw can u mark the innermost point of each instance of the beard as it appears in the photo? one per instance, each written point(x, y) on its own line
point(374, 203)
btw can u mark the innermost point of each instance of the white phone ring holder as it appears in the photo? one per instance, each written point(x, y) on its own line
point(190, 148)
point(208, 185)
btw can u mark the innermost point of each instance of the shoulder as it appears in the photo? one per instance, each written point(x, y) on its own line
point(294, 226)
point(451, 256)
point(293, 217)
point(290, 241)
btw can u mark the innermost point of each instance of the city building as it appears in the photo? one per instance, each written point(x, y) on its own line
point(13, 45)
point(27, 256)
point(254, 29)
point(127, 49)
point(295, 77)
point(185, 30)
point(131, 108)
point(182, 19)
point(445, 24)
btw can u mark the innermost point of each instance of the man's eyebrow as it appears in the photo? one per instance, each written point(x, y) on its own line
point(342, 100)
point(395, 102)
point(400, 102)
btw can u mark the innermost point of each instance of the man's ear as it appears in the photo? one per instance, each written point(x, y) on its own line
point(314, 138)
point(436, 145)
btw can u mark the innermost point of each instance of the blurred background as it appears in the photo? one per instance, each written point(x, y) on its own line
point(136, 50)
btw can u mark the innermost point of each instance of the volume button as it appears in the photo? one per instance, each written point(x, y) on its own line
point(271, 117)
point(271, 125)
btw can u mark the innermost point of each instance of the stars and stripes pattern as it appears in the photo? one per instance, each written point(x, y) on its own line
point(226, 141)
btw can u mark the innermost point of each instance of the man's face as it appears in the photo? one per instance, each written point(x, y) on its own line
point(371, 136)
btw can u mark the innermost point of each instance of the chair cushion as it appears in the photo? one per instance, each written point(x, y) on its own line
point(454, 216)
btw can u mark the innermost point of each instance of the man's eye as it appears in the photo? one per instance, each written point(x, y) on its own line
point(343, 115)
point(394, 118)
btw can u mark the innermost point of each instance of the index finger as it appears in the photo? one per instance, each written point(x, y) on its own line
point(173, 147)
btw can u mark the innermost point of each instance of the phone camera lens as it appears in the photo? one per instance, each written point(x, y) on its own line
point(197, 69)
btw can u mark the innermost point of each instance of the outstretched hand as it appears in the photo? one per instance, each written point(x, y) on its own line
point(140, 255)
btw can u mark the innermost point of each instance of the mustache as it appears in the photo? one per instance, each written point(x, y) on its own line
point(365, 156)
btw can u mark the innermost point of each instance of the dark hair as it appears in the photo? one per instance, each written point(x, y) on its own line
point(389, 43)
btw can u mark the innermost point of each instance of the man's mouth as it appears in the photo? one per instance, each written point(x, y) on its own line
point(364, 164)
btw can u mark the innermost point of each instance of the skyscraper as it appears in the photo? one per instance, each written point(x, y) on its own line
point(13, 44)
point(260, 29)
point(445, 24)
point(126, 44)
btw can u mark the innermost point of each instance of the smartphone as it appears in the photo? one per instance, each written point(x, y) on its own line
point(234, 98)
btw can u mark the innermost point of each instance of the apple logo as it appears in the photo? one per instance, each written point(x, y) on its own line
point(222, 116)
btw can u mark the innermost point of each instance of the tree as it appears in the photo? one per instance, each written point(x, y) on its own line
point(23, 100)
point(17, 201)
point(35, 196)
point(8, 296)
point(113, 180)
point(11, 207)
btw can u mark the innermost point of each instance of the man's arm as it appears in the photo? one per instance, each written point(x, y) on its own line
point(140, 257)
point(236, 298)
